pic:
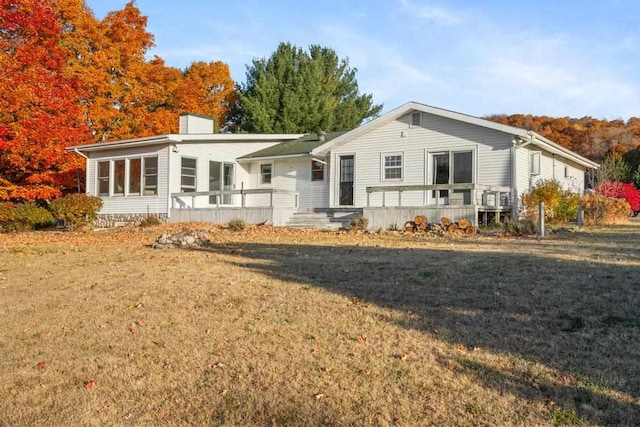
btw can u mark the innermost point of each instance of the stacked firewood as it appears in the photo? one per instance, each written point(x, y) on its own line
point(421, 224)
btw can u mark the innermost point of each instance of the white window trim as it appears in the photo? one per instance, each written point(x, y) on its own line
point(195, 173)
point(143, 176)
point(532, 155)
point(124, 189)
point(127, 176)
point(430, 172)
point(416, 114)
point(109, 178)
point(383, 168)
point(324, 171)
point(260, 176)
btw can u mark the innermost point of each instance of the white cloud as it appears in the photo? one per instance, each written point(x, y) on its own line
point(431, 13)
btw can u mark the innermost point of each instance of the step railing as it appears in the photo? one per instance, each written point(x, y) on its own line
point(178, 202)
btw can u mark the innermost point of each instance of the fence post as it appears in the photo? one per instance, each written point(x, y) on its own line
point(541, 219)
point(580, 217)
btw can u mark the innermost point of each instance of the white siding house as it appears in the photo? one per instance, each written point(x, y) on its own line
point(416, 159)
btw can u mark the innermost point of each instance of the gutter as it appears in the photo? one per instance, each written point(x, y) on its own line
point(75, 150)
point(254, 159)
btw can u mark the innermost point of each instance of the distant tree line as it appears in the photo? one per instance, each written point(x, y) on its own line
point(68, 78)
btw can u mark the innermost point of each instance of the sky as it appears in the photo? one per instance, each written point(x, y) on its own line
point(546, 57)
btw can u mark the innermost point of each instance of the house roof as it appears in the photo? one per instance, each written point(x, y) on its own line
point(298, 147)
point(525, 135)
point(184, 138)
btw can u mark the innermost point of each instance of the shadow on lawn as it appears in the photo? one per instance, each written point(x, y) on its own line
point(577, 317)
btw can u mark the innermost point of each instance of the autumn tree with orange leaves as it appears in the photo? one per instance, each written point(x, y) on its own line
point(39, 110)
point(67, 78)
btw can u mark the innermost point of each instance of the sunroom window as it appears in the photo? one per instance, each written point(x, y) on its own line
point(188, 175)
point(103, 178)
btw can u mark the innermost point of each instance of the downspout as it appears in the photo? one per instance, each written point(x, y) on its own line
point(86, 177)
point(169, 198)
point(514, 178)
point(75, 150)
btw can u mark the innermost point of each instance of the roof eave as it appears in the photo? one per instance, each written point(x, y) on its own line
point(556, 148)
point(284, 156)
point(161, 139)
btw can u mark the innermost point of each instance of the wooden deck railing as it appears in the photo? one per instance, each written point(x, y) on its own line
point(242, 192)
point(482, 195)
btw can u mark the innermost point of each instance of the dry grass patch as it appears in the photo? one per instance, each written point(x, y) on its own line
point(284, 327)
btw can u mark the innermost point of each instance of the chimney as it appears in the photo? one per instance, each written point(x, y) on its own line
point(322, 135)
point(194, 124)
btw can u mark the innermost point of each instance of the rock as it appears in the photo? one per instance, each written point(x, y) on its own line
point(184, 239)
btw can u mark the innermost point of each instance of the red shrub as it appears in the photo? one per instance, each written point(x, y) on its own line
point(621, 190)
point(632, 195)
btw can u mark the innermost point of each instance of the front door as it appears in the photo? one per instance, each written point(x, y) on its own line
point(346, 180)
point(220, 178)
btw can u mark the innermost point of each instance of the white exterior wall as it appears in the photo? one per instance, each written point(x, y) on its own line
point(131, 204)
point(292, 174)
point(551, 167)
point(492, 156)
point(204, 152)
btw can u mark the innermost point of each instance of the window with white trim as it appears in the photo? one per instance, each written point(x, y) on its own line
point(188, 175)
point(135, 176)
point(534, 159)
point(415, 119)
point(150, 176)
point(265, 173)
point(392, 166)
point(317, 171)
point(452, 167)
point(566, 171)
point(118, 177)
point(103, 178)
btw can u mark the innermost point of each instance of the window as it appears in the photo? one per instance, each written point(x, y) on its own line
point(535, 163)
point(453, 168)
point(265, 174)
point(150, 176)
point(317, 171)
point(566, 171)
point(135, 173)
point(118, 181)
point(188, 175)
point(103, 178)
point(415, 119)
point(462, 167)
point(392, 166)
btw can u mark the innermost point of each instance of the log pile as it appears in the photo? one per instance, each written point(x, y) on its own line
point(421, 224)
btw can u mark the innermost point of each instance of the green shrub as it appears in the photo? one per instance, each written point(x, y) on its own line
point(560, 206)
point(76, 209)
point(237, 225)
point(7, 214)
point(360, 223)
point(24, 216)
